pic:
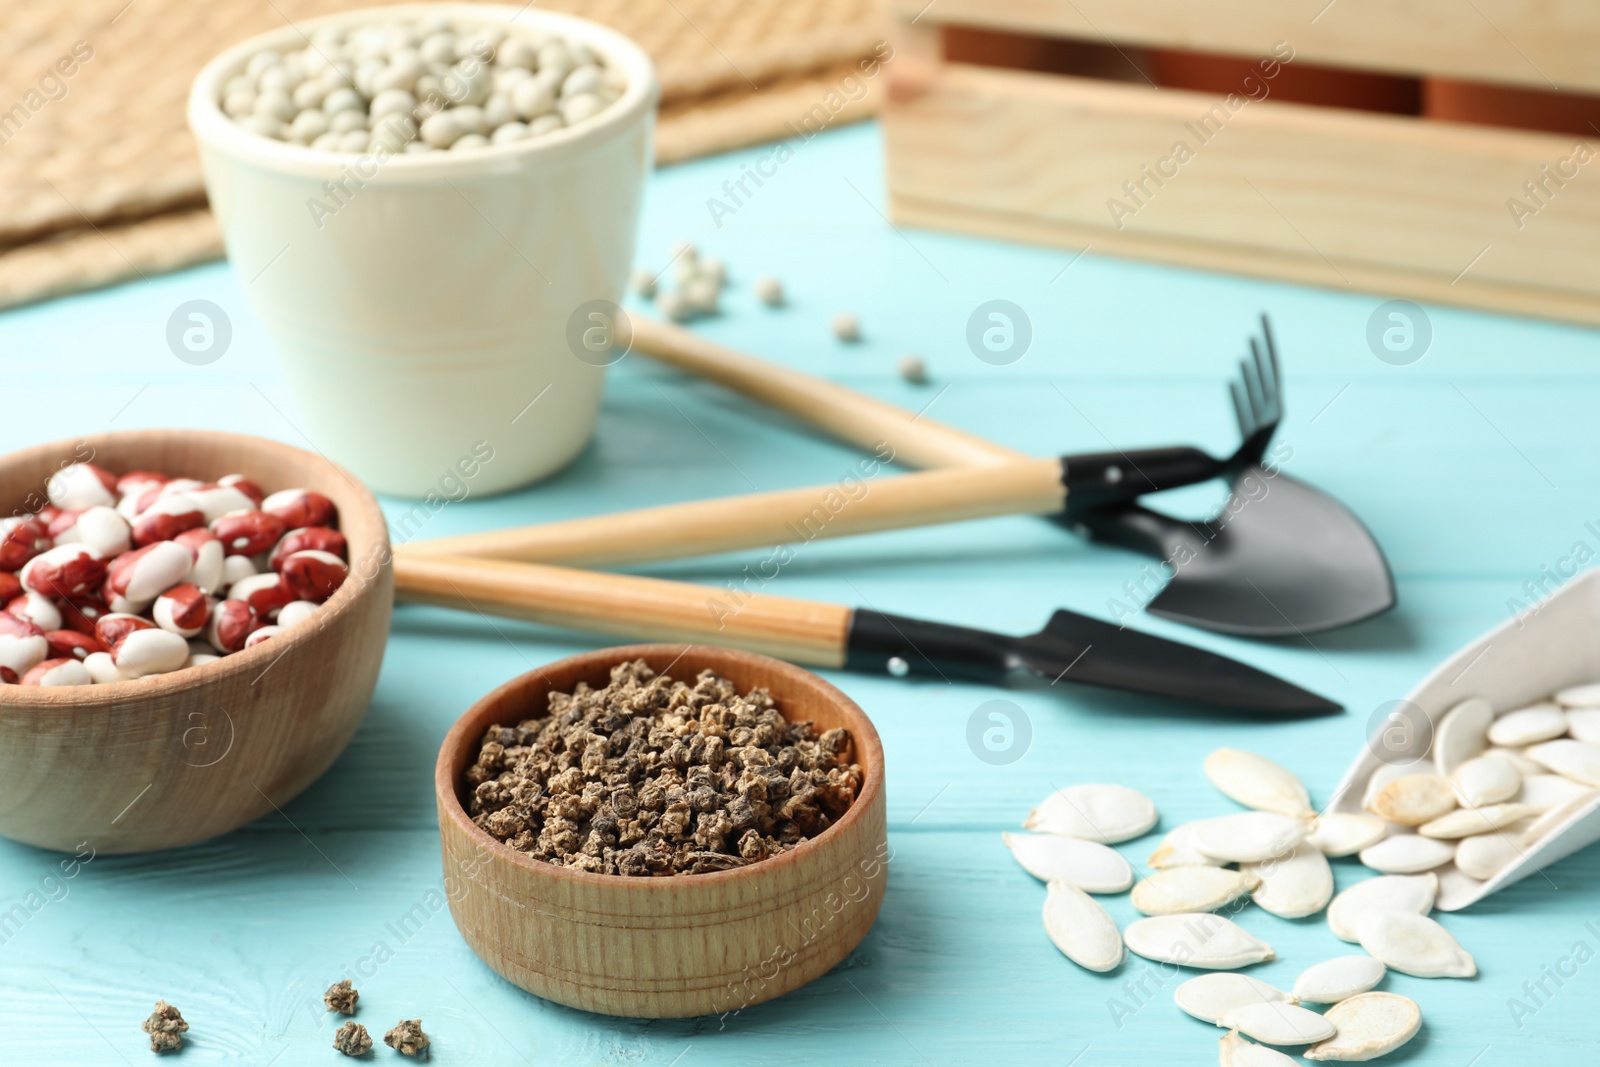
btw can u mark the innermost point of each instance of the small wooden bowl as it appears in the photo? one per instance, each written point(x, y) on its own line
point(181, 757)
point(673, 946)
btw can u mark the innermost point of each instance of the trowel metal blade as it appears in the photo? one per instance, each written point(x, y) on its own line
point(1282, 559)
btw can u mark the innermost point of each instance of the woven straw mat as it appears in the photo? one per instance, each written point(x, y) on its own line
point(98, 169)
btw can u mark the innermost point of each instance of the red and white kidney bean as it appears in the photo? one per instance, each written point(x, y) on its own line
point(58, 672)
point(120, 578)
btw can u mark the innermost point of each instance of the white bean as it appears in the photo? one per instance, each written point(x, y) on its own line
point(342, 99)
point(509, 132)
point(532, 98)
point(574, 109)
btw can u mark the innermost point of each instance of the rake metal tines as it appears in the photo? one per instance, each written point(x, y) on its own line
point(1257, 398)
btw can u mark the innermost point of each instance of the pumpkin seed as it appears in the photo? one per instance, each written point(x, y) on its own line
point(1408, 854)
point(1278, 1024)
point(1249, 836)
point(1295, 885)
point(1392, 892)
point(1081, 928)
point(1583, 724)
point(1340, 833)
point(1541, 792)
point(1104, 813)
point(1211, 996)
point(1415, 945)
point(1456, 889)
point(1090, 866)
point(1526, 726)
point(1482, 856)
point(1180, 890)
point(1578, 760)
point(1177, 850)
point(1557, 816)
point(1485, 781)
point(1464, 822)
point(1462, 734)
point(1580, 696)
point(1201, 939)
point(1369, 1026)
point(1257, 782)
point(1386, 773)
point(1514, 756)
point(1235, 1051)
point(1414, 799)
point(1338, 979)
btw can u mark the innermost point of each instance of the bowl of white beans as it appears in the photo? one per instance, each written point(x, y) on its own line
point(421, 199)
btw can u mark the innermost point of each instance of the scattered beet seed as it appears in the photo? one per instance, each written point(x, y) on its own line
point(352, 1039)
point(341, 997)
point(165, 1027)
point(407, 1038)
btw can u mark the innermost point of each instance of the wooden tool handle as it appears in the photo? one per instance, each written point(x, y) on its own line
point(844, 413)
point(797, 630)
point(790, 516)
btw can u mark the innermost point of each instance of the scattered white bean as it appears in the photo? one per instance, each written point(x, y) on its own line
point(769, 290)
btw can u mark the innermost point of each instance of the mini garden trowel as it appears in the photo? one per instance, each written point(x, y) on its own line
point(1071, 647)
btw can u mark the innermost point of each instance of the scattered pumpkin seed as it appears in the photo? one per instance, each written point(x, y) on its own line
point(1578, 760)
point(1415, 945)
point(1340, 833)
point(1369, 1025)
point(1462, 734)
point(1083, 930)
point(1088, 865)
point(1257, 782)
point(1104, 813)
point(1408, 854)
point(1177, 849)
point(1181, 890)
point(1211, 996)
point(1273, 1023)
point(1201, 940)
point(1392, 892)
point(1414, 799)
point(1464, 822)
point(1249, 836)
point(1483, 780)
point(1295, 885)
point(1529, 725)
point(1338, 979)
point(1235, 1051)
point(1482, 856)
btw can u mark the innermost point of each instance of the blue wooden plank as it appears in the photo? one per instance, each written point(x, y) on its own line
point(1472, 466)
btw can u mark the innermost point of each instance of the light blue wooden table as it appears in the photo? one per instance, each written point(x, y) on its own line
point(1474, 467)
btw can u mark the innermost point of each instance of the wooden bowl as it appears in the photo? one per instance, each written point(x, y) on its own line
point(672, 946)
point(177, 758)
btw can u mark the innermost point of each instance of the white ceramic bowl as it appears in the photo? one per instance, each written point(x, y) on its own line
point(420, 317)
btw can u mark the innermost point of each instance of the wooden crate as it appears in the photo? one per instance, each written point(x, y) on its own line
point(1394, 204)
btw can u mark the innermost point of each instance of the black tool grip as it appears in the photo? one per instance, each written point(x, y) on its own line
point(902, 646)
point(1099, 479)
